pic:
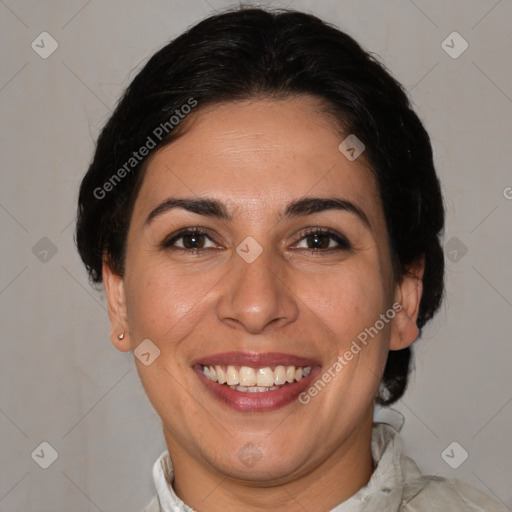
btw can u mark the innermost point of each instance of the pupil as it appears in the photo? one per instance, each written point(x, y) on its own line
point(192, 241)
point(318, 241)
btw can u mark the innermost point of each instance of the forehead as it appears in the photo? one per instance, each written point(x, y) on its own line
point(259, 153)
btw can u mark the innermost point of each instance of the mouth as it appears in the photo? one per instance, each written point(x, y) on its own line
point(249, 382)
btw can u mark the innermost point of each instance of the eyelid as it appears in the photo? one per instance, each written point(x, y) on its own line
point(169, 240)
point(340, 239)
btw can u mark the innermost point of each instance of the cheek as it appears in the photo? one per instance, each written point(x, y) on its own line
point(163, 306)
point(346, 301)
point(162, 303)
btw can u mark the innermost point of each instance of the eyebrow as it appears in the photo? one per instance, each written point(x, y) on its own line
point(300, 207)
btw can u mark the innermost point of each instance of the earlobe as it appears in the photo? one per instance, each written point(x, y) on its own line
point(404, 329)
point(116, 301)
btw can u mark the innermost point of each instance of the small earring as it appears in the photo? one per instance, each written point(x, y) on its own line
point(121, 336)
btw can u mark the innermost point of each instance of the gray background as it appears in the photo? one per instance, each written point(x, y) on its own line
point(62, 381)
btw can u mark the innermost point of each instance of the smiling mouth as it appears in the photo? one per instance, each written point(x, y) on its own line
point(255, 380)
point(252, 382)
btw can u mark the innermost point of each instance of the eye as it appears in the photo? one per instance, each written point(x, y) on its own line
point(322, 240)
point(189, 240)
point(313, 240)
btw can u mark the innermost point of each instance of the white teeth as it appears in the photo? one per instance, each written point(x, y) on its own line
point(253, 380)
point(232, 376)
point(247, 376)
point(279, 375)
point(254, 389)
point(221, 376)
point(265, 377)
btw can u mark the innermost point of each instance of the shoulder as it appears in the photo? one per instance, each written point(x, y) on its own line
point(432, 493)
point(421, 493)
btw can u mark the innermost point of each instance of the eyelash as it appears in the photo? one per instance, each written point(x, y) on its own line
point(343, 243)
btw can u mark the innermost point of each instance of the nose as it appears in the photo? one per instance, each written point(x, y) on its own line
point(256, 296)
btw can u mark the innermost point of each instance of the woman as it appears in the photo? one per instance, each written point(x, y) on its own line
point(263, 211)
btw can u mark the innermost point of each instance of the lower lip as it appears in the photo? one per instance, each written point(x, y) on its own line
point(259, 401)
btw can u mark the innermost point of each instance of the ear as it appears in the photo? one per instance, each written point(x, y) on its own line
point(114, 289)
point(408, 293)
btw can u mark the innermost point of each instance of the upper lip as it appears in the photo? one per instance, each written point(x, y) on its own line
point(254, 359)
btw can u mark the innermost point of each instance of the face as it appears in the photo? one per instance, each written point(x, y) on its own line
point(257, 254)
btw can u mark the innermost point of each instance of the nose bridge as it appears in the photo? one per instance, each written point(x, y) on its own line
point(255, 294)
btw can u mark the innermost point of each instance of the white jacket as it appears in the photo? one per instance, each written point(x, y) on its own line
point(395, 485)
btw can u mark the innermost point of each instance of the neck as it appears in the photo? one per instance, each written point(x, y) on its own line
point(333, 480)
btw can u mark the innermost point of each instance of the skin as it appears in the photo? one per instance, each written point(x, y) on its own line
point(255, 157)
